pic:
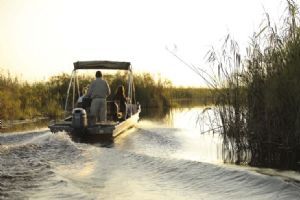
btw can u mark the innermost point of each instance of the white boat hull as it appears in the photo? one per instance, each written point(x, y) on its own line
point(99, 130)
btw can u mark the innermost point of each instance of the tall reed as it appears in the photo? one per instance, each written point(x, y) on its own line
point(259, 103)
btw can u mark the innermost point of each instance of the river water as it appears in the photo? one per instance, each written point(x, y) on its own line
point(164, 157)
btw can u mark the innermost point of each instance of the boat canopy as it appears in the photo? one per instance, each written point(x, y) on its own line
point(110, 65)
point(102, 65)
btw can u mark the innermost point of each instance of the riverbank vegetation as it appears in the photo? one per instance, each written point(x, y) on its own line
point(259, 110)
point(22, 100)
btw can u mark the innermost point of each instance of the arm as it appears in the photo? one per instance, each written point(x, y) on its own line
point(108, 89)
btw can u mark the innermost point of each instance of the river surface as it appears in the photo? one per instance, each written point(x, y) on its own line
point(164, 157)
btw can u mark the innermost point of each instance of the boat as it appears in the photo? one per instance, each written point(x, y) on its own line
point(78, 123)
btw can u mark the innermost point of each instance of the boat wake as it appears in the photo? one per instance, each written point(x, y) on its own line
point(144, 164)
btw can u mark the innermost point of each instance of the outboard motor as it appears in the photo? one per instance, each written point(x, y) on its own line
point(79, 118)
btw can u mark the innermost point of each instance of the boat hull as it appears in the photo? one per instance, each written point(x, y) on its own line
point(98, 131)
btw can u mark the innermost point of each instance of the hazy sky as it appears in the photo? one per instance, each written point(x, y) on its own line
point(40, 38)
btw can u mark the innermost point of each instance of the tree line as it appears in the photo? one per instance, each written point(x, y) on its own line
point(23, 100)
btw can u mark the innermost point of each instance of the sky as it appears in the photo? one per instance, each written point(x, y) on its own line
point(42, 38)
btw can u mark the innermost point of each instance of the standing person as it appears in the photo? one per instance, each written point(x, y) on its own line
point(98, 91)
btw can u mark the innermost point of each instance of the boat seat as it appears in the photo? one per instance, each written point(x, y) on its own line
point(86, 103)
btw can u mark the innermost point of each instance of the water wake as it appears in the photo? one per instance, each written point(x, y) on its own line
point(145, 163)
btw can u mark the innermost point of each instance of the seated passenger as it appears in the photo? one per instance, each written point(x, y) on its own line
point(121, 100)
point(83, 101)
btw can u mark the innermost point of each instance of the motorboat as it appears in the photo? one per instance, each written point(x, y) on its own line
point(78, 121)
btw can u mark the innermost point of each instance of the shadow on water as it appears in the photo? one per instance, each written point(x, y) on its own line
point(157, 114)
point(107, 142)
